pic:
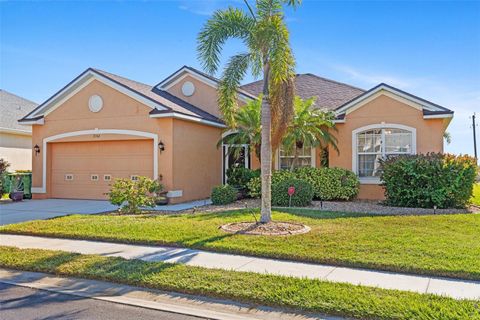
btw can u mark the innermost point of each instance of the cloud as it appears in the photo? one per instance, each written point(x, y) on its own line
point(372, 79)
point(204, 7)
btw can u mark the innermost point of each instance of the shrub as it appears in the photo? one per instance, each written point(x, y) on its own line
point(302, 197)
point(131, 195)
point(3, 171)
point(330, 183)
point(240, 177)
point(427, 180)
point(224, 194)
point(254, 186)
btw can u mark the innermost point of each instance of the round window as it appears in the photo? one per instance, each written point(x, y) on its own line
point(95, 103)
point(188, 88)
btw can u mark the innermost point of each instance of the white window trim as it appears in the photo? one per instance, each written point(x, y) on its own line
point(376, 180)
point(153, 136)
point(312, 164)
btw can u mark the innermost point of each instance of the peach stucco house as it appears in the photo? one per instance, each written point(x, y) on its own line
point(101, 126)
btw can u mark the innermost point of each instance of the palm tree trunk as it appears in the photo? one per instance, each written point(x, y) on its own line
point(295, 159)
point(266, 150)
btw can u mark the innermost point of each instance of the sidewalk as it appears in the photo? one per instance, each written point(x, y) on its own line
point(152, 299)
point(458, 289)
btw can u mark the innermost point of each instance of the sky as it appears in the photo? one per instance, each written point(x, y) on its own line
point(428, 48)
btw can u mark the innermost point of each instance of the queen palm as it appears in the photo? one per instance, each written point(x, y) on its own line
point(247, 128)
point(268, 54)
point(311, 127)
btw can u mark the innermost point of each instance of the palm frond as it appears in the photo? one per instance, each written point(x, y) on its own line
point(232, 75)
point(224, 24)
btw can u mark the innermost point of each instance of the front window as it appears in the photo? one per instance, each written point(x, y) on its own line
point(375, 144)
point(304, 157)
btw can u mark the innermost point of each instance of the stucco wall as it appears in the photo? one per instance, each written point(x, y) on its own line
point(204, 97)
point(385, 109)
point(197, 162)
point(17, 150)
point(119, 112)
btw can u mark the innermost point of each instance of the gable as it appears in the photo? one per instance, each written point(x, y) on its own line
point(385, 108)
point(389, 99)
point(428, 108)
point(204, 95)
point(115, 104)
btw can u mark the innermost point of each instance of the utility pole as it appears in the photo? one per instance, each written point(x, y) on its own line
point(474, 136)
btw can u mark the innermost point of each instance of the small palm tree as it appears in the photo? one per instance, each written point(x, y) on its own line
point(268, 54)
point(310, 127)
point(247, 128)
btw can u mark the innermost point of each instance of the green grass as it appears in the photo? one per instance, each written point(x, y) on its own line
point(476, 194)
point(292, 293)
point(445, 245)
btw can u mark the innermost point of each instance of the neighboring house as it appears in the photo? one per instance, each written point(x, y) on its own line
point(15, 139)
point(101, 126)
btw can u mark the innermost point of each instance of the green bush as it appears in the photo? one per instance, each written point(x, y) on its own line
point(330, 183)
point(3, 171)
point(224, 194)
point(240, 177)
point(428, 180)
point(254, 186)
point(131, 195)
point(301, 198)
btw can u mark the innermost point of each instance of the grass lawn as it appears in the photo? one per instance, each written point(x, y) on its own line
point(447, 245)
point(293, 293)
point(476, 194)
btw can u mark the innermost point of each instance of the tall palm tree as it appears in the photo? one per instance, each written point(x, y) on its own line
point(268, 54)
point(310, 127)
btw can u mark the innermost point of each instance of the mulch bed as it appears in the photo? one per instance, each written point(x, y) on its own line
point(273, 228)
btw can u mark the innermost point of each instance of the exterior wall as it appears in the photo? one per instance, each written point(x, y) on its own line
point(197, 162)
point(119, 112)
point(204, 97)
point(17, 150)
point(385, 109)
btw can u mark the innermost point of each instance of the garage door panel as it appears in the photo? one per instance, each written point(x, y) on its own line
point(119, 159)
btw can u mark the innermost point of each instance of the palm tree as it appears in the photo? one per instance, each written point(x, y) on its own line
point(310, 127)
point(268, 54)
point(247, 128)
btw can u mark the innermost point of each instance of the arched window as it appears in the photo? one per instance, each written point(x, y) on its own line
point(372, 143)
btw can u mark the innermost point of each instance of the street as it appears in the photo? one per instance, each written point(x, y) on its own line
point(27, 304)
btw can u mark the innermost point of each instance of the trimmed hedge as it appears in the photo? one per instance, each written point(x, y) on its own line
point(224, 194)
point(327, 183)
point(330, 183)
point(254, 186)
point(428, 180)
point(301, 198)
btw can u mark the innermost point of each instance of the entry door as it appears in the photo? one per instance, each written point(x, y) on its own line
point(234, 156)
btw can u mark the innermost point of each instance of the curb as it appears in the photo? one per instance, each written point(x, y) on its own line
point(184, 304)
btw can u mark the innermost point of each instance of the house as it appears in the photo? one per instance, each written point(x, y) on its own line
point(15, 139)
point(101, 126)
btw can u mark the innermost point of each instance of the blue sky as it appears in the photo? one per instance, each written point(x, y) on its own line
point(428, 48)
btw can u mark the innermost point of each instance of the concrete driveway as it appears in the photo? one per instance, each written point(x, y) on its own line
point(44, 209)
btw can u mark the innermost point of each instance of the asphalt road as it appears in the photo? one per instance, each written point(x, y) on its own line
point(27, 304)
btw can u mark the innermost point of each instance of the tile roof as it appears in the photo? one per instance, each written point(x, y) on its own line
point(330, 94)
point(12, 108)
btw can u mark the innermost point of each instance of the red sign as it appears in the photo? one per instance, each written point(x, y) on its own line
point(291, 191)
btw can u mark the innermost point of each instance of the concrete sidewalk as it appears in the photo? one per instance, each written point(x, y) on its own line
point(151, 299)
point(458, 289)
